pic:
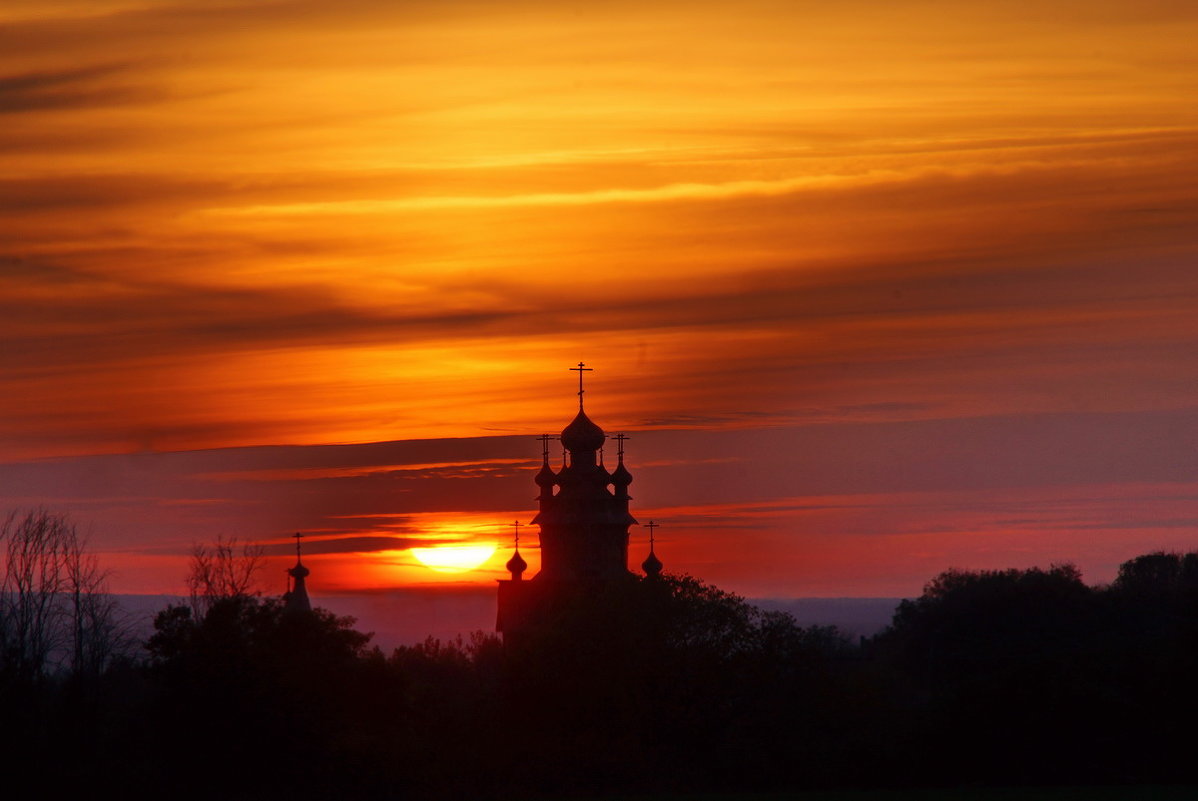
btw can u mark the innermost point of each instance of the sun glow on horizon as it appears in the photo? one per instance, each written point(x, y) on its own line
point(454, 558)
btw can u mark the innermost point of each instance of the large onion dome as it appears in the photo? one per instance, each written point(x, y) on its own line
point(652, 565)
point(582, 435)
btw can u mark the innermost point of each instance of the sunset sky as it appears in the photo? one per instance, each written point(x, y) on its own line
point(875, 288)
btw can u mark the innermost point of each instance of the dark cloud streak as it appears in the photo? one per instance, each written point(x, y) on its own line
point(70, 89)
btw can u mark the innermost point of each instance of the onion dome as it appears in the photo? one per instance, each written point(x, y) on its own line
point(516, 565)
point(652, 565)
point(582, 435)
point(620, 476)
point(299, 571)
point(546, 477)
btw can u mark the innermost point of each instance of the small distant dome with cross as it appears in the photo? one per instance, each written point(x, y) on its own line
point(652, 565)
point(516, 566)
point(296, 598)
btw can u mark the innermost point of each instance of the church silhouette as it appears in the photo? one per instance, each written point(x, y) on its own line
point(584, 521)
point(296, 598)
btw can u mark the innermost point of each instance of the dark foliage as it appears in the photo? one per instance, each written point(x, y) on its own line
point(676, 685)
point(276, 691)
point(1030, 676)
point(999, 677)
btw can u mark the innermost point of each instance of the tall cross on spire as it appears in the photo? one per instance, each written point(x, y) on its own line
point(516, 526)
point(651, 525)
point(545, 439)
point(297, 536)
point(580, 369)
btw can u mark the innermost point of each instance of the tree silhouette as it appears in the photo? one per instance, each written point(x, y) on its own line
point(225, 569)
point(248, 668)
point(666, 682)
point(55, 611)
point(1159, 575)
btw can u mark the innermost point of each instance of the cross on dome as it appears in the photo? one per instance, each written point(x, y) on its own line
point(516, 565)
point(582, 436)
point(580, 369)
point(620, 438)
point(296, 599)
point(652, 565)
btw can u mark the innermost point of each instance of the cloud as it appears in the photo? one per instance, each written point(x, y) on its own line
point(69, 89)
point(89, 347)
point(462, 469)
point(313, 546)
point(687, 191)
point(903, 255)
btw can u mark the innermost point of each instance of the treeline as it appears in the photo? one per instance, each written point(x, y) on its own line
point(1010, 677)
point(1030, 676)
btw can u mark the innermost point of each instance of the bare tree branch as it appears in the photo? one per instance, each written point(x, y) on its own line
point(224, 569)
point(54, 608)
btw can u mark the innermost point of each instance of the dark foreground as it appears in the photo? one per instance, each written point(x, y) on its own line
point(988, 684)
point(1137, 793)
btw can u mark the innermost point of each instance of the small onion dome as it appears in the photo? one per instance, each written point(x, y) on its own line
point(582, 435)
point(652, 565)
point(546, 477)
point(620, 476)
point(299, 571)
point(516, 565)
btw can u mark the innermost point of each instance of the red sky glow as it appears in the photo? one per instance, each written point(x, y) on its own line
point(875, 288)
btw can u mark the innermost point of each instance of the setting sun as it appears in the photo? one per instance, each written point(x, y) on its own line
point(454, 558)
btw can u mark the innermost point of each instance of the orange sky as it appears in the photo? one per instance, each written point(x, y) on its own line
point(917, 279)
